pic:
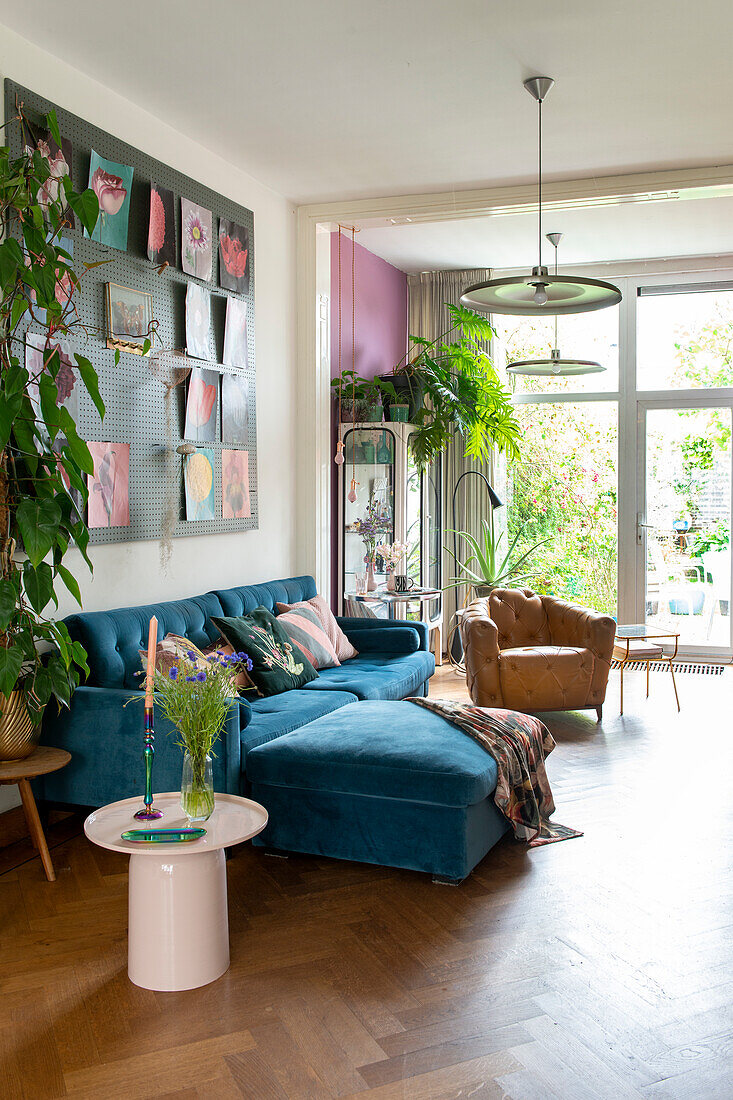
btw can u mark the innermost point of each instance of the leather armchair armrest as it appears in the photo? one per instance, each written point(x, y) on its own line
point(577, 626)
point(480, 637)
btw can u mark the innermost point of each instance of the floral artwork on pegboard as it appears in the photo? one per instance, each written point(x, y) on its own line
point(234, 410)
point(38, 350)
point(109, 488)
point(196, 238)
point(235, 334)
point(63, 287)
point(201, 405)
point(233, 256)
point(198, 321)
point(130, 322)
point(235, 485)
point(198, 479)
point(162, 226)
point(112, 184)
point(58, 159)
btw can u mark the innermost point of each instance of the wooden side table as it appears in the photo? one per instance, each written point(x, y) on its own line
point(40, 762)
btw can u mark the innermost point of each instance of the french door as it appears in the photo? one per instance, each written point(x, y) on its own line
point(683, 521)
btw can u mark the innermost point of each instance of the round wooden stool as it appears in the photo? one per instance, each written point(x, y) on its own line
point(41, 761)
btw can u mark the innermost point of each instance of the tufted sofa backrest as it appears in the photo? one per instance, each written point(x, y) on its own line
point(520, 617)
point(113, 639)
point(240, 601)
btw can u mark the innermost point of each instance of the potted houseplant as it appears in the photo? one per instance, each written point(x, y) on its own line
point(361, 398)
point(486, 568)
point(451, 388)
point(43, 461)
point(195, 695)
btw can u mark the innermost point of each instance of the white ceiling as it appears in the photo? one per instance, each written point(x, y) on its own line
point(638, 231)
point(337, 98)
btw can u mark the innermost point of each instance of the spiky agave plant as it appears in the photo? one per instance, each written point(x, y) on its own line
point(486, 567)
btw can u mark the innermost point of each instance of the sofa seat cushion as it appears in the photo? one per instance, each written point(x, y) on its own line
point(279, 714)
point(373, 676)
point(379, 749)
point(547, 672)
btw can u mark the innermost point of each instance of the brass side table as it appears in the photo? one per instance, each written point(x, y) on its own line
point(637, 642)
point(41, 761)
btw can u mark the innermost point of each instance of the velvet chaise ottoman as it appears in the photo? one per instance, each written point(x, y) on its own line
point(379, 782)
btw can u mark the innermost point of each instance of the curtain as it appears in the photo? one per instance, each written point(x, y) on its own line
point(428, 317)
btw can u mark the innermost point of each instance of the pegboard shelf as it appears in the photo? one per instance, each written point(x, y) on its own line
point(135, 399)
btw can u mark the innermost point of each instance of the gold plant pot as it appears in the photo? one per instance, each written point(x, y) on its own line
point(18, 735)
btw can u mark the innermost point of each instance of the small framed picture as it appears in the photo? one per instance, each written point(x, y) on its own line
point(129, 318)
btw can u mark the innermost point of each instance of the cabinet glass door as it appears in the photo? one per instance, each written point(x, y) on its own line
point(369, 455)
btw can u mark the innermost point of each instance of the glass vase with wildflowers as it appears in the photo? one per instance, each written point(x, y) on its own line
point(375, 523)
point(195, 697)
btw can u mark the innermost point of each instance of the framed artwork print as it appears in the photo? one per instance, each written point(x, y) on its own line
point(235, 334)
point(196, 237)
point(198, 321)
point(162, 226)
point(112, 184)
point(129, 318)
point(198, 477)
point(233, 256)
point(109, 486)
point(201, 405)
point(235, 485)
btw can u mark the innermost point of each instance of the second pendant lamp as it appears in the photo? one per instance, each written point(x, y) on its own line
point(556, 365)
point(538, 293)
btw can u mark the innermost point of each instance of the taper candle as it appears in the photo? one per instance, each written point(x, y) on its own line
point(148, 812)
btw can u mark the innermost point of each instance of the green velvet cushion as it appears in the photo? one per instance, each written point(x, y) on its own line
point(277, 662)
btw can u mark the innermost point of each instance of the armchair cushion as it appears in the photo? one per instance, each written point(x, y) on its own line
point(545, 677)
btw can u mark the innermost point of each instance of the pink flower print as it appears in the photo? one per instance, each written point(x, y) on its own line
point(109, 191)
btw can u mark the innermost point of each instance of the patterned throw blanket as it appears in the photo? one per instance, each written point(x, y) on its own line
point(519, 744)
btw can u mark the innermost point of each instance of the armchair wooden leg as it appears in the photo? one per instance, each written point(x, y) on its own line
point(599, 712)
point(674, 685)
point(621, 708)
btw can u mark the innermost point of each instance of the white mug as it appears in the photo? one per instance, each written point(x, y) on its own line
point(403, 583)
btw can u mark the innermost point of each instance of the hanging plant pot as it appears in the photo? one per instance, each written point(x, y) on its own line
point(481, 591)
point(409, 392)
point(398, 414)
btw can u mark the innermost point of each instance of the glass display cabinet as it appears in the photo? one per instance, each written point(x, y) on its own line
point(405, 505)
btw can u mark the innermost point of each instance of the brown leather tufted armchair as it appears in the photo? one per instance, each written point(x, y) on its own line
point(528, 652)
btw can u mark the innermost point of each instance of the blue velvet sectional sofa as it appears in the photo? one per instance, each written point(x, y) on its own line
point(105, 737)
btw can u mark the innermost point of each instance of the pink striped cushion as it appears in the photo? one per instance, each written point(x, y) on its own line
point(303, 627)
point(339, 641)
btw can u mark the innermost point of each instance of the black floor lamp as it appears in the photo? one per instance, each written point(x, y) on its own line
point(455, 647)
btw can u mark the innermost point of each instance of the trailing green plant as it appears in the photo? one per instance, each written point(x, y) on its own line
point(486, 566)
point(43, 460)
point(361, 392)
point(459, 391)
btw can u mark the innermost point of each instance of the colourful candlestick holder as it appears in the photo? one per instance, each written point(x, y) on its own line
point(148, 812)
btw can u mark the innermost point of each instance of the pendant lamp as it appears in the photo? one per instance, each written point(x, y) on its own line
point(556, 365)
point(540, 293)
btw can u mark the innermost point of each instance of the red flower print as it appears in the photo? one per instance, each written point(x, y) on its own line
point(233, 255)
point(156, 230)
point(201, 399)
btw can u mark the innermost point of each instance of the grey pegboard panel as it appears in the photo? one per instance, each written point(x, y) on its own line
point(134, 398)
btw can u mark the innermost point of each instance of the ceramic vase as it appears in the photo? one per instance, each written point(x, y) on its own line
point(18, 735)
point(371, 585)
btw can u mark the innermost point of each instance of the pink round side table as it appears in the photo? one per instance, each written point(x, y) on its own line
point(178, 933)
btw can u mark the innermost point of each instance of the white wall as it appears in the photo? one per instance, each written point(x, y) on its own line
point(130, 573)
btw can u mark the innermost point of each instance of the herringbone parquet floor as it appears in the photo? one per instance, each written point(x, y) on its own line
point(596, 968)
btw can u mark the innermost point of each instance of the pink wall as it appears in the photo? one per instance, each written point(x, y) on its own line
point(380, 328)
point(381, 310)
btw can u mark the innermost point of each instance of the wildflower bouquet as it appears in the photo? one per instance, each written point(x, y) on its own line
point(392, 554)
point(195, 696)
point(371, 527)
